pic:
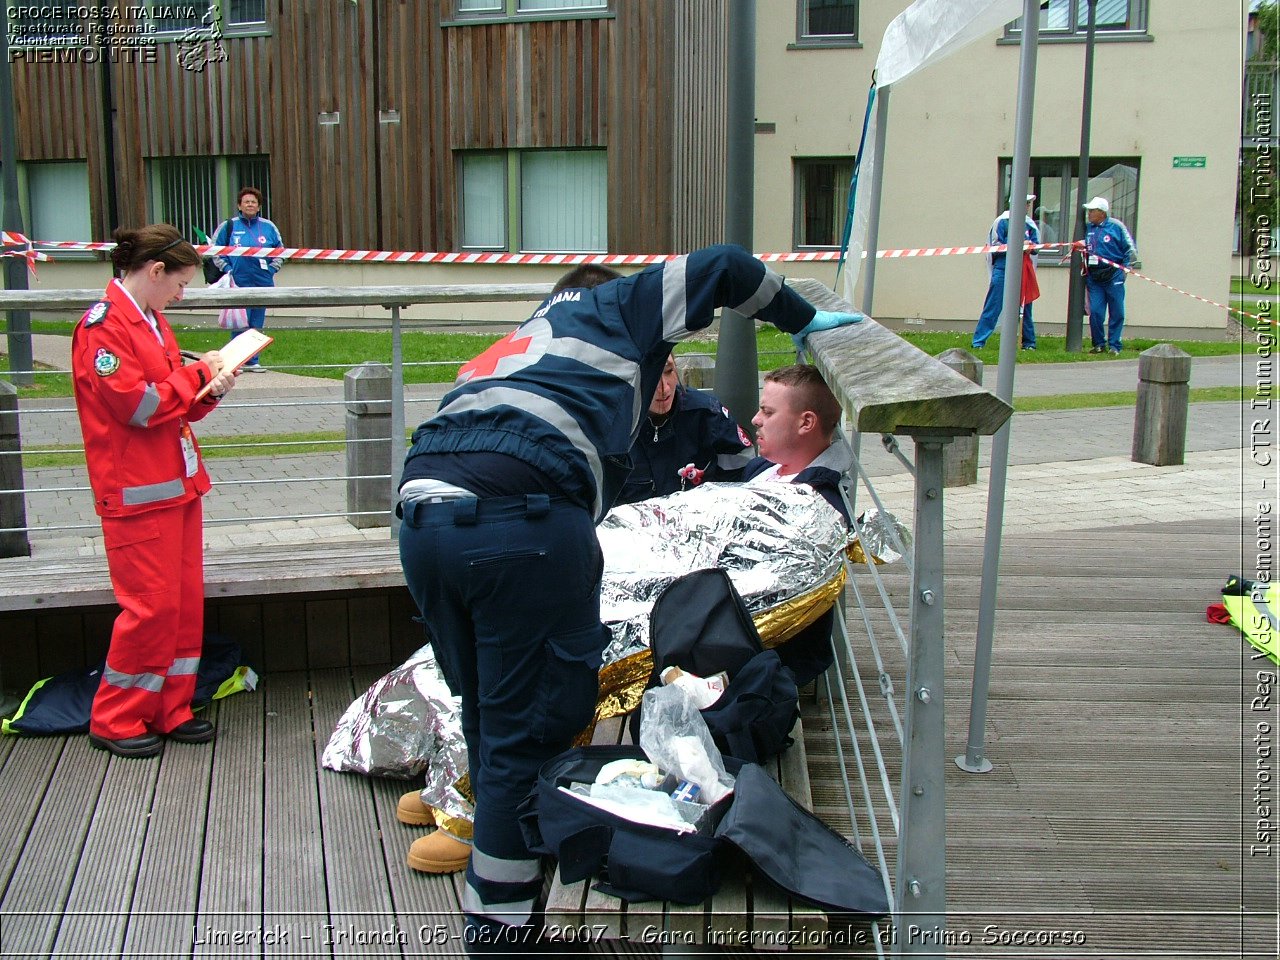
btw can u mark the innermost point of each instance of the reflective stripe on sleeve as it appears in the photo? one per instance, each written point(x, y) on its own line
point(768, 289)
point(674, 300)
point(148, 405)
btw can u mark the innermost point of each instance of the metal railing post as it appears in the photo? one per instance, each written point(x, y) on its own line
point(922, 851)
point(397, 415)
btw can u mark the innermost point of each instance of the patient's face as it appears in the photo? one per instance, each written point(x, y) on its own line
point(665, 395)
point(777, 422)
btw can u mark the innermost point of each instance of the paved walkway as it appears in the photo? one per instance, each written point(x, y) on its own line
point(1067, 468)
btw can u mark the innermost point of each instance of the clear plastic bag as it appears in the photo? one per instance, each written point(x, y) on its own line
point(674, 735)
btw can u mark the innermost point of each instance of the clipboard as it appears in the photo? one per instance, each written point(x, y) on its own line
point(243, 348)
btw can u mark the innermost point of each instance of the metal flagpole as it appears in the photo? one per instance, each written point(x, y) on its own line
point(974, 759)
point(1075, 284)
point(737, 369)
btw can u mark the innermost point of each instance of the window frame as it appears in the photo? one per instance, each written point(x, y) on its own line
point(797, 201)
point(825, 41)
point(28, 212)
point(1067, 173)
point(514, 212)
point(225, 187)
point(1078, 32)
point(224, 28)
point(510, 12)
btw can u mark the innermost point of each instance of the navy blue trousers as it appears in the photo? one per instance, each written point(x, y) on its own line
point(990, 315)
point(509, 589)
point(1106, 298)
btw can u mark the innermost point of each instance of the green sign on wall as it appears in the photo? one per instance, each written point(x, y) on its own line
point(1182, 162)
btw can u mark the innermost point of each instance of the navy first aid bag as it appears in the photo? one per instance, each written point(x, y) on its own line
point(700, 624)
point(782, 841)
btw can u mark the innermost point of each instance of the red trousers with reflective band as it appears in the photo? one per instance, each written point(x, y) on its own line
point(156, 560)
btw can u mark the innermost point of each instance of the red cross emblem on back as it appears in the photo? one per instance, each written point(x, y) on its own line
point(514, 344)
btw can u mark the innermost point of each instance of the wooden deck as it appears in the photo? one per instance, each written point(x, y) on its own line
point(1118, 804)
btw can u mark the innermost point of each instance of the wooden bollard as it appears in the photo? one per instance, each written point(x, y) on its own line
point(367, 391)
point(13, 504)
point(1160, 417)
point(960, 456)
point(697, 370)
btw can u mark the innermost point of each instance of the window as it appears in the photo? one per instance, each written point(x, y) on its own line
point(484, 201)
point(524, 8)
point(58, 201)
point(822, 200)
point(176, 17)
point(1070, 18)
point(1053, 181)
point(534, 201)
point(826, 22)
point(197, 193)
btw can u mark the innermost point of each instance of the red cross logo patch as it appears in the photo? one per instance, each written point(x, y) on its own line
point(517, 350)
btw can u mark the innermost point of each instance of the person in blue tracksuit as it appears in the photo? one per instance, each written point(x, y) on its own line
point(689, 437)
point(999, 234)
point(249, 229)
point(500, 495)
point(1106, 239)
point(797, 419)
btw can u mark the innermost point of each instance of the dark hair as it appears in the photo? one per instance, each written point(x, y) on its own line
point(157, 241)
point(249, 191)
point(811, 392)
point(585, 277)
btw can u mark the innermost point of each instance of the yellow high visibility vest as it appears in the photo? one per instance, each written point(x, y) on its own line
point(1255, 610)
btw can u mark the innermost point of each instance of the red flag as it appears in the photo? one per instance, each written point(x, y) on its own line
point(1030, 286)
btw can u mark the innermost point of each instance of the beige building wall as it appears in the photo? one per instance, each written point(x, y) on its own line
point(1175, 94)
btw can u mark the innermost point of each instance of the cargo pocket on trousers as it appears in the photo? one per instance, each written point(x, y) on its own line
point(570, 684)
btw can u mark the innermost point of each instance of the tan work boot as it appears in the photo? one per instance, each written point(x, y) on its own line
point(438, 852)
point(413, 811)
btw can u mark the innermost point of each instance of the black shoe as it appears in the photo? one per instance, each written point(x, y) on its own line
point(1098, 350)
point(143, 745)
point(194, 730)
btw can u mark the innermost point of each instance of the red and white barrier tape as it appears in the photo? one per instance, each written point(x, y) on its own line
point(312, 254)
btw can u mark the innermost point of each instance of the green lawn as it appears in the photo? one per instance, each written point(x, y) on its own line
point(1243, 286)
point(435, 357)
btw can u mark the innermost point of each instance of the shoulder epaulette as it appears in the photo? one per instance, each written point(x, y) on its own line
point(97, 313)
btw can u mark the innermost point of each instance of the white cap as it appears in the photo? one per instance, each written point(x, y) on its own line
point(1031, 198)
point(1099, 203)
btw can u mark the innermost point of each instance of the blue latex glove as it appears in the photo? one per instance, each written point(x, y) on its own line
point(824, 320)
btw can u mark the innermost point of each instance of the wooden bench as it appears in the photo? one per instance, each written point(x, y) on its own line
point(746, 912)
point(290, 607)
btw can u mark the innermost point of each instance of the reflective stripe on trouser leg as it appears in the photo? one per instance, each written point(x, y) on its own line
point(144, 557)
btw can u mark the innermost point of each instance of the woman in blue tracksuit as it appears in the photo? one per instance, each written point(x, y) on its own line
point(1106, 239)
point(991, 306)
point(249, 229)
point(501, 492)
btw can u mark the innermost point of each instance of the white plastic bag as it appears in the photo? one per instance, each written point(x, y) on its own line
point(674, 735)
point(231, 318)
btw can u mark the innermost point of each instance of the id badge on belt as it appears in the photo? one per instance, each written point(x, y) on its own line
point(189, 455)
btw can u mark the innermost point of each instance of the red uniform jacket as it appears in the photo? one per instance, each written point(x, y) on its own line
point(135, 398)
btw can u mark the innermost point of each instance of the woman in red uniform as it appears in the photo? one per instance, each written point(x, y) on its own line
point(135, 399)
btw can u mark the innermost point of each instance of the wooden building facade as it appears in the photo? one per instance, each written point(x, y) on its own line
point(363, 113)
